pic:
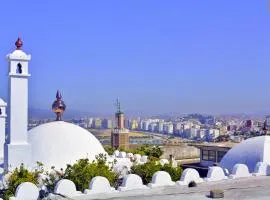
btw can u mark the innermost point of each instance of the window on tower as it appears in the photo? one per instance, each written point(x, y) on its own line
point(0, 111)
point(19, 68)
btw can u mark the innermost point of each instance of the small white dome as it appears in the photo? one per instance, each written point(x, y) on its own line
point(2, 103)
point(248, 152)
point(59, 143)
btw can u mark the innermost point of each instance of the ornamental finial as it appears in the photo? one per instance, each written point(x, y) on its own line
point(19, 43)
point(58, 106)
point(58, 95)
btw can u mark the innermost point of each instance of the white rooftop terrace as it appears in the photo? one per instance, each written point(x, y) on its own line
point(245, 188)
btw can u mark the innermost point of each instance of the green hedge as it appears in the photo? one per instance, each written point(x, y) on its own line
point(147, 170)
point(83, 171)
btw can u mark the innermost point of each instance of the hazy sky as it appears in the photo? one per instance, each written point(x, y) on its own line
point(157, 56)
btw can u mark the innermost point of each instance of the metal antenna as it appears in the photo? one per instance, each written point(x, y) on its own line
point(118, 106)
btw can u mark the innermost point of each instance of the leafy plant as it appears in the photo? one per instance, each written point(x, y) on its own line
point(110, 150)
point(175, 172)
point(52, 178)
point(153, 151)
point(18, 176)
point(147, 170)
point(83, 171)
point(149, 150)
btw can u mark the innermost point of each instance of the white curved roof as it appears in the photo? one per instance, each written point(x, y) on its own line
point(18, 54)
point(249, 152)
point(59, 143)
point(2, 103)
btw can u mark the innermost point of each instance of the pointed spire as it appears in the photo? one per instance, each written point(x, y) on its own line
point(58, 95)
point(19, 43)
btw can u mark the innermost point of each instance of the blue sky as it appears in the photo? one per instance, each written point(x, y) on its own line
point(157, 56)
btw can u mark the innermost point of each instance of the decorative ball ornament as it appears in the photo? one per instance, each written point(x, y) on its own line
point(19, 43)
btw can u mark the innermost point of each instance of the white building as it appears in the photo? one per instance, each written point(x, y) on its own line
point(192, 133)
point(54, 144)
point(160, 127)
point(211, 134)
point(186, 126)
point(3, 117)
point(201, 133)
point(146, 125)
point(153, 127)
point(89, 122)
point(168, 128)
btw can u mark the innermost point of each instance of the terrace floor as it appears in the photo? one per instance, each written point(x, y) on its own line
point(245, 188)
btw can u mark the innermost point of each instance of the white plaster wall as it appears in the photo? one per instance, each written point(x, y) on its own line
point(14, 64)
point(189, 175)
point(16, 149)
point(17, 154)
point(2, 133)
point(18, 110)
point(215, 174)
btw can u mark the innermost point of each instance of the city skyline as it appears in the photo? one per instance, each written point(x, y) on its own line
point(192, 58)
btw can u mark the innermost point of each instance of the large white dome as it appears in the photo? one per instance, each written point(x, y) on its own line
point(249, 152)
point(59, 143)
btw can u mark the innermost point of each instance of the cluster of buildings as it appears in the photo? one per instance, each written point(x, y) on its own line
point(207, 130)
point(190, 127)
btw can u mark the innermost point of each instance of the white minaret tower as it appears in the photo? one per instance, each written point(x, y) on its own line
point(17, 149)
point(3, 117)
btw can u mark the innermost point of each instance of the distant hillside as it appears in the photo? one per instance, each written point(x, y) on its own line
point(35, 113)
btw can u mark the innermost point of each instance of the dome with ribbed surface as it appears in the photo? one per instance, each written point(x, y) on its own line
point(59, 143)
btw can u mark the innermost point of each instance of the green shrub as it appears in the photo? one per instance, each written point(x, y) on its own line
point(83, 171)
point(110, 150)
point(175, 172)
point(147, 170)
point(52, 178)
point(151, 151)
point(18, 176)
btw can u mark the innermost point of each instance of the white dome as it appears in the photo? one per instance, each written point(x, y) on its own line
point(59, 143)
point(249, 152)
point(2, 103)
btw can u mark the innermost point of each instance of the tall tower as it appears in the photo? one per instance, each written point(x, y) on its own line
point(119, 116)
point(119, 135)
point(266, 125)
point(3, 117)
point(17, 149)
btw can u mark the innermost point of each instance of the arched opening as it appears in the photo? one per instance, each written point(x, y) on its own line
point(0, 111)
point(192, 184)
point(19, 68)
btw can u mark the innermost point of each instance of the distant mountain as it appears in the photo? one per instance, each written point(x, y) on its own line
point(35, 113)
